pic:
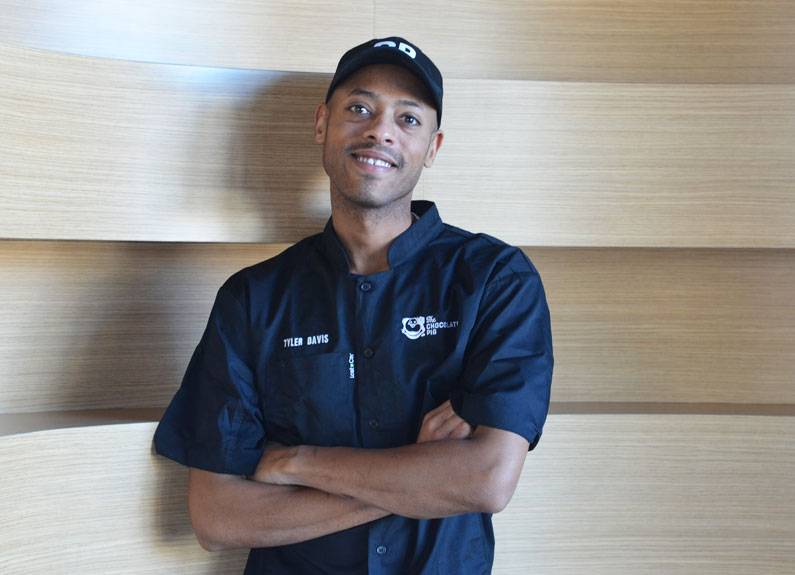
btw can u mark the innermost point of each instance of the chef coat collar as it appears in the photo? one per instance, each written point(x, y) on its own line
point(403, 248)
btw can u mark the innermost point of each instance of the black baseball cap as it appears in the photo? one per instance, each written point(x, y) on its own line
point(393, 50)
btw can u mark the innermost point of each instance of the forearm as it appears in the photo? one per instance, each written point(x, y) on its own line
point(424, 480)
point(231, 512)
point(410, 481)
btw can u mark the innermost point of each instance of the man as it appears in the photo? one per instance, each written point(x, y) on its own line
point(364, 401)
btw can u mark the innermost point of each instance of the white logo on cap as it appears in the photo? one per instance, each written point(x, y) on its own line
point(403, 47)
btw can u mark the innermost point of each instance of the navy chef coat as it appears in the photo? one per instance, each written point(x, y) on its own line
point(300, 351)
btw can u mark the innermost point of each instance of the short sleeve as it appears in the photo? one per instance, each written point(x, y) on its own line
point(214, 422)
point(508, 363)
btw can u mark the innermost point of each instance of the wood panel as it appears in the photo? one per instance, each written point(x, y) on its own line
point(650, 494)
point(619, 164)
point(101, 149)
point(14, 423)
point(601, 494)
point(736, 41)
point(104, 150)
point(112, 325)
point(97, 500)
point(638, 325)
point(105, 325)
point(739, 41)
point(275, 35)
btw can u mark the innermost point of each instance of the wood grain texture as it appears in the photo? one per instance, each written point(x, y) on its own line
point(601, 494)
point(105, 325)
point(658, 408)
point(97, 500)
point(619, 164)
point(671, 325)
point(650, 494)
point(101, 149)
point(309, 35)
point(107, 150)
point(677, 41)
point(14, 423)
point(112, 325)
point(739, 41)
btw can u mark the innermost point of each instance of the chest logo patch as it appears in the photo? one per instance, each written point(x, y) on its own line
point(414, 327)
point(421, 326)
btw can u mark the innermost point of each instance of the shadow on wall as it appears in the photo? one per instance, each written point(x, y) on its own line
point(139, 308)
point(272, 186)
point(103, 325)
point(283, 167)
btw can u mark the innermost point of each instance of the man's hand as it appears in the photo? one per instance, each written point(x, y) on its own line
point(443, 423)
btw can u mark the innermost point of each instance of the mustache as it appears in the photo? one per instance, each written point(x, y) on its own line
point(395, 159)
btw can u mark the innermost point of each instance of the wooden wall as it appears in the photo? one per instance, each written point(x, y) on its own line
point(643, 155)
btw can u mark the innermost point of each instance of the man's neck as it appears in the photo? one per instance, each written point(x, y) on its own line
point(367, 234)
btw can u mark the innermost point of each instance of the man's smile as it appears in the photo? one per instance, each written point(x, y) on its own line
point(373, 161)
point(372, 156)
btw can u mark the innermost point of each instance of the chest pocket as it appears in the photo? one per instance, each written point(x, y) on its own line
point(309, 399)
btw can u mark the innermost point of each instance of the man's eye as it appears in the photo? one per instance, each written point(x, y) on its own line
point(412, 120)
point(358, 109)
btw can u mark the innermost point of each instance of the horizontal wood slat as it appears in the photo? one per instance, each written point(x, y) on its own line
point(655, 408)
point(96, 500)
point(105, 150)
point(601, 493)
point(739, 41)
point(619, 164)
point(309, 35)
point(623, 495)
point(101, 149)
point(671, 325)
point(14, 423)
point(112, 325)
point(105, 325)
point(679, 41)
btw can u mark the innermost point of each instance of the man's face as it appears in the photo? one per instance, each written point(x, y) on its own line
point(377, 131)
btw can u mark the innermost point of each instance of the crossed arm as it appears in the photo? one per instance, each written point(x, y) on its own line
point(303, 492)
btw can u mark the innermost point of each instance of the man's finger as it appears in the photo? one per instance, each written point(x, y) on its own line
point(454, 428)
point(435, 417)
point(443, 423)
point(462, 431)
point(446, 406)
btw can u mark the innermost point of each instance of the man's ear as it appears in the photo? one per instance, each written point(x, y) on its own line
point(321, 121)
point(433, 148)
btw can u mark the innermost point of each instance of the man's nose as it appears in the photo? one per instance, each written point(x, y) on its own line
point(381, 130)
